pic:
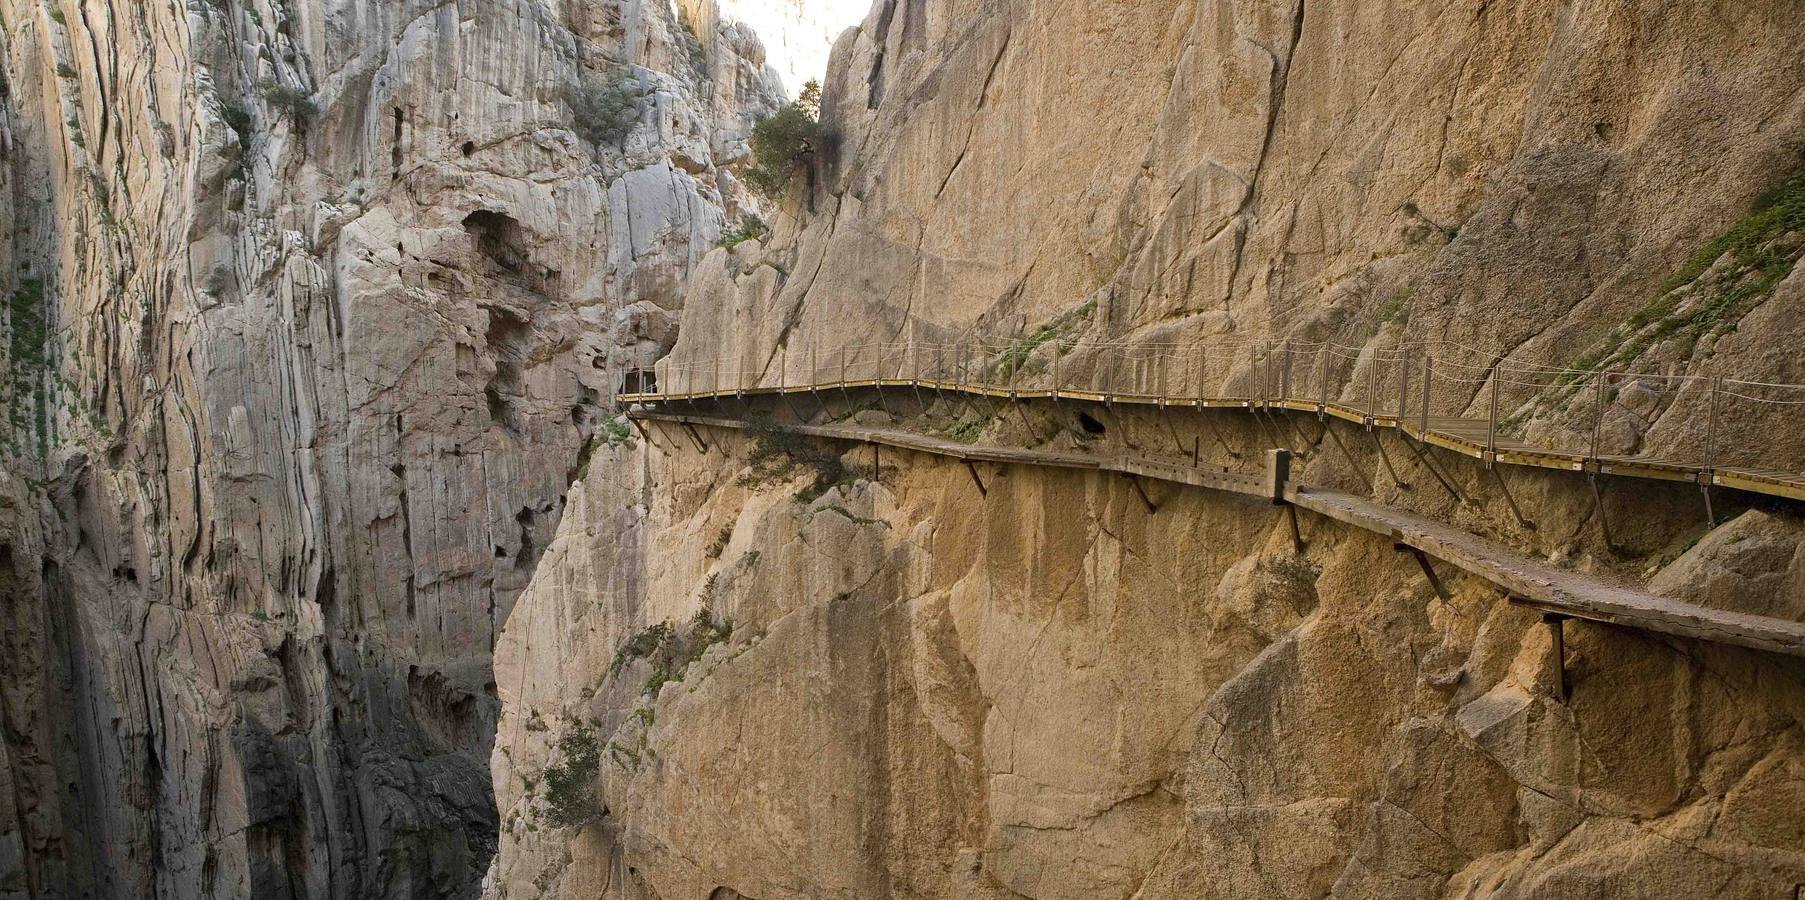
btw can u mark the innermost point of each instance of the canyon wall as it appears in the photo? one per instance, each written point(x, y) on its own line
point(739, 675)
point(313, 308)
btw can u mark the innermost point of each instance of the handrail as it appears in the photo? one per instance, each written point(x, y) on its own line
point(1524, 580)
point(1444, 393)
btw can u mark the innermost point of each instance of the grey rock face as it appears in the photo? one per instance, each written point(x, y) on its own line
point(333, 297)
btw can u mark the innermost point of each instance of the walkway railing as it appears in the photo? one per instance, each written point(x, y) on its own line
point(1531, 581)
point(1707, 429)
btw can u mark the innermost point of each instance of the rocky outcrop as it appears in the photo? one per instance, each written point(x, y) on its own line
point(1047, 688)
point(314, 308)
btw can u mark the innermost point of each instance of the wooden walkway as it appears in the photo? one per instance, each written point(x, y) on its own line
point(1525, 580)
point(1474, 438)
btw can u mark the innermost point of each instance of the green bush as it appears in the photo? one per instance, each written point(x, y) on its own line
point(604, 108)
point(1062, 329)
point(1691, 306)
point(640, 646)
point(779, 455)
point(751, 228)
point(295, 103)
point(570, 784)
point(237, 119)
point(28, 353)
point(786, 142)
point(616, 432)
point(720, 542)
point(670, 650)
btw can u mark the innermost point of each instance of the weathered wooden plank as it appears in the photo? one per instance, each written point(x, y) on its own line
point(1528, 581)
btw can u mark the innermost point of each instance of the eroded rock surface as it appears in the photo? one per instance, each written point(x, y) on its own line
point(1046, 689)
point(314, 307)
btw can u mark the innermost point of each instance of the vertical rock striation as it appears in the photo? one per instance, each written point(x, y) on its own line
point(1047, 689)
point(314, 308)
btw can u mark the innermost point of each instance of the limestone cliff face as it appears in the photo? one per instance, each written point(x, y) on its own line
point(1046, 689)
point(313, 308)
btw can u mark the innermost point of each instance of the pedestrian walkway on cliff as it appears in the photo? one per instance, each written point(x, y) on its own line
point(1433, 394)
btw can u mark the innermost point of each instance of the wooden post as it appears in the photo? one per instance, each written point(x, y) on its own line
point(1278, 472)
point(1557, 652)
point(1422, 560)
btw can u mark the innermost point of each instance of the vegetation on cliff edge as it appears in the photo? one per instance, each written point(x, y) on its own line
point(786, 142)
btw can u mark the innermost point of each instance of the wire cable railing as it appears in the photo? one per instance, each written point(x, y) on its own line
point(1664, 424)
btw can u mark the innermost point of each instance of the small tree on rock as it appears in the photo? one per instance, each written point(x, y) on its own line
point(786, 142)
point(604, 108)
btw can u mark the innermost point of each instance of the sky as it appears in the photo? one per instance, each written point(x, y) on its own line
point(798, 34)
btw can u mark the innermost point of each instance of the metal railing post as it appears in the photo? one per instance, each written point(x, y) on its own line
point(1491, 429)
point(1322, 375)
point(1403, 388)
point(1160, 381)
point(1014, 372)
point(1428, 374)
point(1711, 428)
point(1285, 372)
point(1109, 379)
point(1597, 411)
point(1203, 374)
point(1372, 389)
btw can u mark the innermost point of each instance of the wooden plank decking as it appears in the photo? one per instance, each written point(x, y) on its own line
point(1468, 437)
point(1525, 580)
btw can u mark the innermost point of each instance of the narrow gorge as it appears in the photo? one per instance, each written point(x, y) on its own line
point(355, 542)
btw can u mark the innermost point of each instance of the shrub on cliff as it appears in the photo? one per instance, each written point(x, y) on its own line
point(570, 784)
point(751, 228)
point(292, 102)
point(604, 108)
point(786, 142)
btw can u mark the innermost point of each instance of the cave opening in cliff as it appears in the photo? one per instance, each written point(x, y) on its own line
point(498, 237)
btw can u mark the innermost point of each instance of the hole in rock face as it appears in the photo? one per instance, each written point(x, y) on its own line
point(1090, 425)
point(449, 713)
point(499, 238)
point(395, 155)
point(509, 337)
point(469, 149)
point(505, 242)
